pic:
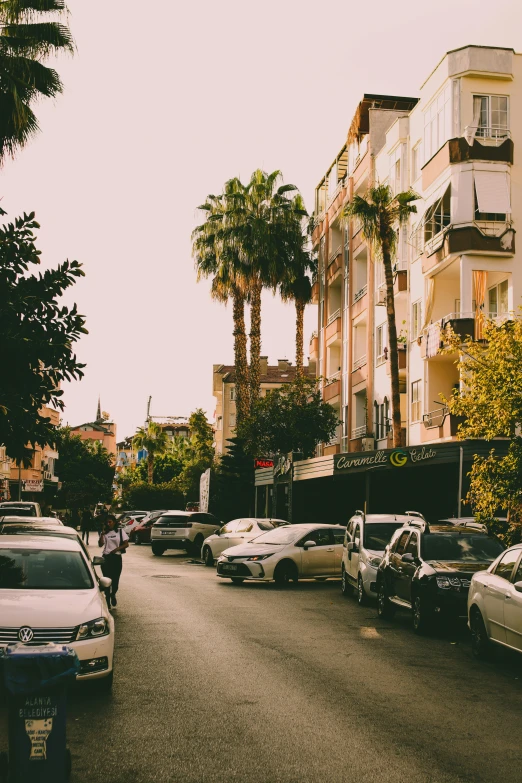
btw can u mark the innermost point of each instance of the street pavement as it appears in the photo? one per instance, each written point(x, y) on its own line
point(216, 682)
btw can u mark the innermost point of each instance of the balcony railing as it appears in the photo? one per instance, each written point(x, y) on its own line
point(359, 432)
point(360, 362)
point(435, 418)
point(332, 378)
point(360, 293)
point(333, 255)
point(334, 317)
point(491, 135)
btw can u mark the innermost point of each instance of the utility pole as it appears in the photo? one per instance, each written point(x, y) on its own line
point(19, 481)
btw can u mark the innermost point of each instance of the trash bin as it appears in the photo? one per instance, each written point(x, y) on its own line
point(36, 679)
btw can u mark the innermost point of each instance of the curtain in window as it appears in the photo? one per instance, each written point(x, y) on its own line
point(430, 300)
point(480, 280)
point(471, 130)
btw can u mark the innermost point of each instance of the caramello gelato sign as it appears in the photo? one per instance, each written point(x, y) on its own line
point(393, 458)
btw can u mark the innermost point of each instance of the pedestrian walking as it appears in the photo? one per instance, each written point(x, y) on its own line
point(114, 543)
point(86, 525)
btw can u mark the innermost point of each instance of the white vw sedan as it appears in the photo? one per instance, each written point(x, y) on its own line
point(285, 555)
point(495, 604)
point(49, 592)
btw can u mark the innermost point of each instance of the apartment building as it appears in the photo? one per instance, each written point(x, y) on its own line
point(224, 390)
point(454, 145)
point(102, 430)
point(5, 474)
point(36, 481)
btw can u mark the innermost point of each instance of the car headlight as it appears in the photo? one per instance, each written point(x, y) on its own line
point(256, 558)
point(374, 561)
point(92, 629)
point(443, 582)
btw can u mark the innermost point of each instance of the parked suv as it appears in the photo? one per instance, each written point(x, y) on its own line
point(364, 543)
point(428, 569)
point(182, 530)
point(20, 508)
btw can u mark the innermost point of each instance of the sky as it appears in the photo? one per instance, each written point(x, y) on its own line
point(159, 110)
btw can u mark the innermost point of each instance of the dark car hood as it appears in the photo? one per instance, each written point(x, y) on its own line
point(458, 567)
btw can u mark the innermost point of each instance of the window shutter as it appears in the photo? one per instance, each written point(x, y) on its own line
point(493, 192)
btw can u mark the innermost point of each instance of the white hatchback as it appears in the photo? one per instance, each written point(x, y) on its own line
point(236, 532)
point(285, 555)
point(495, 604)
point(49, 592)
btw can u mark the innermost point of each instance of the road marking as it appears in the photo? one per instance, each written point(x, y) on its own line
point(370, 633)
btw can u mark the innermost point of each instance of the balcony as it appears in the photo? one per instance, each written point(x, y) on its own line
point(335, 253)
point(487, 144)
point(440, 423)
point(402, 352)
point(313, 349)
point(332, 388)
point(432, 340)
point(315, 292)
point(360, 293)
point(358, 363)
point(333, 328)
point(487, 238)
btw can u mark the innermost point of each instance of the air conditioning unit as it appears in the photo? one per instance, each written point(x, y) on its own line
point(368, 444)
point(380, 298)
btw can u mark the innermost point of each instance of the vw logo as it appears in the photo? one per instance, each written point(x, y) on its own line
point(25, 634)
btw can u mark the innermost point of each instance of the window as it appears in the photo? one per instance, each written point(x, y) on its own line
point(437, 123)
point(381, 340)
point(43, 569)
point(505, 565)
point(230, 527)
point(491, 116)
point(416, 319)
point(518, 572)
point(438, 216)
point(413, 545)
point(357, 536)
point(246, 526)
point(401, 544)
point(492, 196)
point(416, 401)
point(415, 163)
point(232, 420)
point(232, 393)
point(338, 536)
point(377, 535)
point(498, 299)
point(321, 537)
point(454, 547)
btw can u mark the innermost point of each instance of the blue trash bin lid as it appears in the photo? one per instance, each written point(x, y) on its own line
point(29, 668)
point(47, 650)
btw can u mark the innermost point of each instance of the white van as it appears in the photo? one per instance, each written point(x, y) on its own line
point(364, 543)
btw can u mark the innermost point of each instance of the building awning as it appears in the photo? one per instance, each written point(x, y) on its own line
point(492, 189)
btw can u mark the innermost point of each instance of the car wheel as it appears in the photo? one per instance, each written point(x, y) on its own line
point(480, 644)
point(237, 580)
point(157, 550)
point(208, 557)
point(421, 617)
point(346, 587)
point(362, 598)
point(137, 539)
point(285, 573)
point(385, 608)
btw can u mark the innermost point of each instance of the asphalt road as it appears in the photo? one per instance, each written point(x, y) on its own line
point(216, 682)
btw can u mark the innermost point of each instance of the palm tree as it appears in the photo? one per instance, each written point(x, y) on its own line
point(154, 440)
point(29, 35)
point(217, 255)
point(380, 212)
point(296, 286)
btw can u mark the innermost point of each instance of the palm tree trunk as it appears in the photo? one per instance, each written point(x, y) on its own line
point(150, 467)
point(299, 319)
point(240, 357)
point(392, 345)
point(255, 340)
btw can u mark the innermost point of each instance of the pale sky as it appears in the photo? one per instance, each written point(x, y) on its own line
point(162, 108)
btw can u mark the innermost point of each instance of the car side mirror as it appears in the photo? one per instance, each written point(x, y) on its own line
point(349, 546)
point(309, 544)
point(518, 587)
point(407, 558)
point(104, 582)
point(98, 560)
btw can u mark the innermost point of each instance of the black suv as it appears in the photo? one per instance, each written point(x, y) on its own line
point(428, 569)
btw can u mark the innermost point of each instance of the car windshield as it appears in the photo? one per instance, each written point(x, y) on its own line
point(43, 569)
point(26, 530)
point(265, 526)
point(377, 535)
point(279, 536)
point(467, 548)
point(17, 511)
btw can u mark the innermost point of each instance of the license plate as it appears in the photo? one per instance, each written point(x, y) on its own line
point(229, 567)
point(166, 533)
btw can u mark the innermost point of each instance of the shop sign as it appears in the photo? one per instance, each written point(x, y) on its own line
point(263, 463)
point(33, 485)
point(204, 491)
point(394, 458)
point(283, 466)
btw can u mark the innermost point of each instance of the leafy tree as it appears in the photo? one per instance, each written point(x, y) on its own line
point(380, 212)
point(166, 467)
point(86, 470)
point(30, 32)
point(202, 438)
point(38, 333)
point(151, 497)
point(291, 418)
point(232, 483)
point(490, 400)
point(154, 440)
